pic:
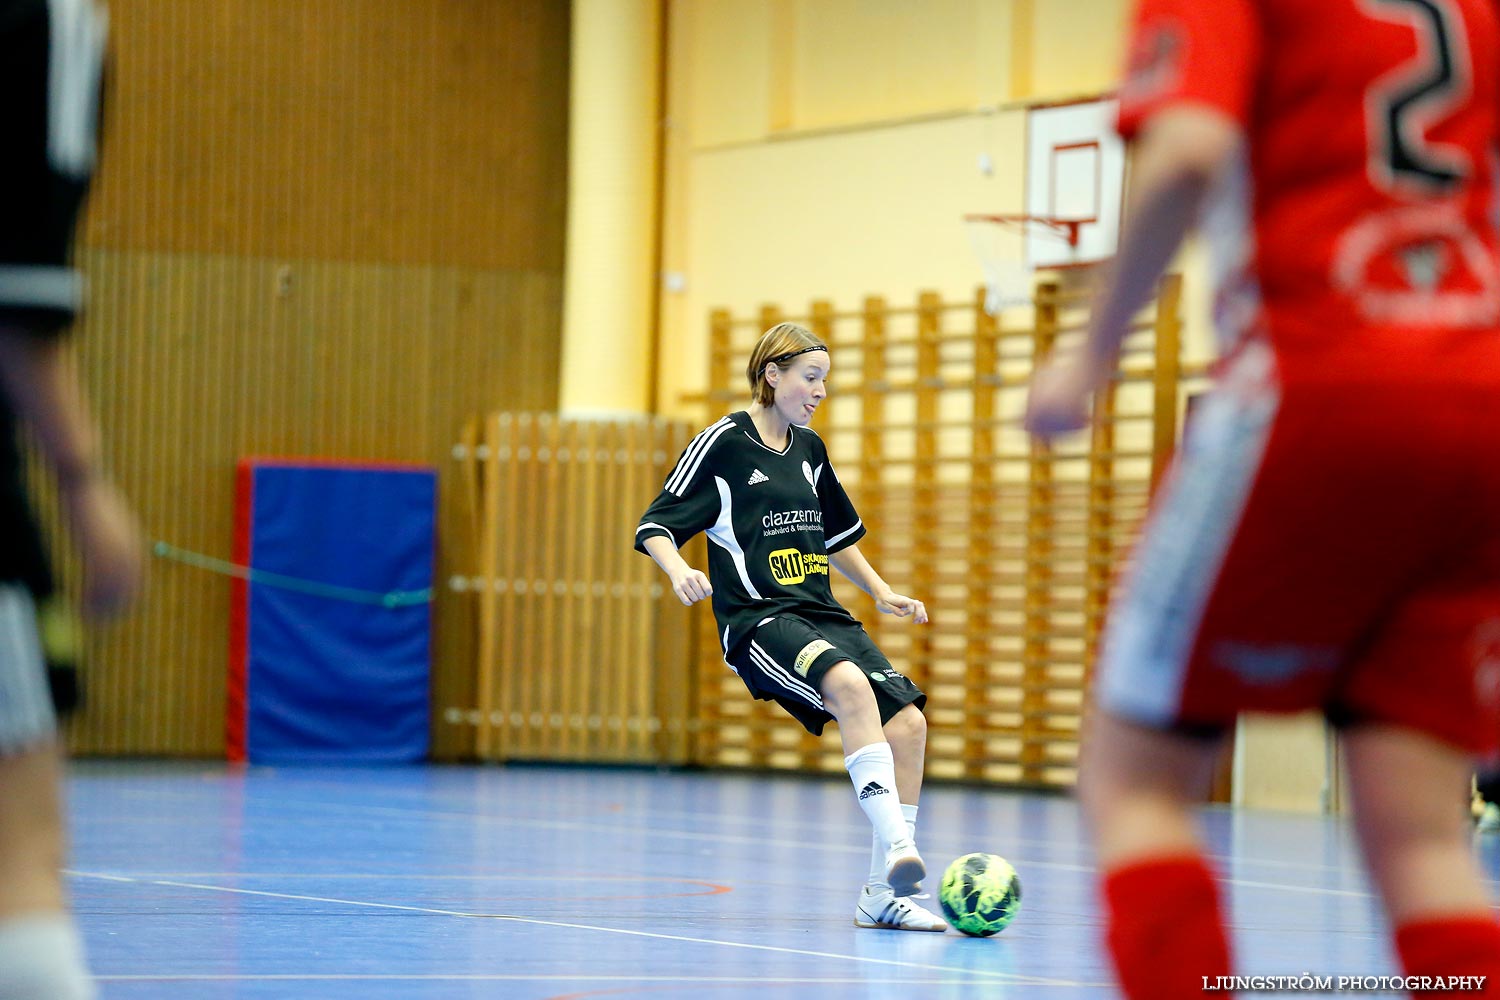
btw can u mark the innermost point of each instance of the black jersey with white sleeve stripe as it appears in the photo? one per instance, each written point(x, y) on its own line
point(772, 518)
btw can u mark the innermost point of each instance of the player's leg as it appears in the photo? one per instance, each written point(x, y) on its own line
point(878, 904)
point(898, 704)
point(787, 660)
point(31, 833)
point(791, 662)
point(896, 701)
point(906, 732)
point(1406, 789)
point(1245, 590)
point(848, 695)
point(872, 767)
point(848, 698)
point(50, 64)
point(1422, 705)
point(41, 954)
point(40, 951)
point(903, 727)
point(1140, 788)
point(1140, 778)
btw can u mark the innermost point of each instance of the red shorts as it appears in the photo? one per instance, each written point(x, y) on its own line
point(1320, 546)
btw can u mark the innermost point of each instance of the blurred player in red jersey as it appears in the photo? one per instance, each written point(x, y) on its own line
point(1330, 535)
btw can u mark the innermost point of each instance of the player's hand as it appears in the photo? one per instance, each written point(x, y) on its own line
point(902, 607)
point(109, 545)
point(691, 586)
point(1060, 391)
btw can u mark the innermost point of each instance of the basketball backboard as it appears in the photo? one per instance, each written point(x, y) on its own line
point(1075, 171)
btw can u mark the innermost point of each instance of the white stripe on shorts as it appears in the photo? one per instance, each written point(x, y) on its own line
point(799, 688)
point(26, 717)
point(1155, 622)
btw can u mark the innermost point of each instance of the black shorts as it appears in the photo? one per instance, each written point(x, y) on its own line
point(51, 65)
point(1488, 781)
point(785, 659)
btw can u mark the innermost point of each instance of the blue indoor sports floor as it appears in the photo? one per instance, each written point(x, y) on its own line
point(205, 882)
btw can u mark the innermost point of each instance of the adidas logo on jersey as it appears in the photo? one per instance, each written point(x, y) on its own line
point(873, 788)
point(758, 477)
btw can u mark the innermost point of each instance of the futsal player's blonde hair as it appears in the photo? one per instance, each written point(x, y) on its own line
point(783, 338)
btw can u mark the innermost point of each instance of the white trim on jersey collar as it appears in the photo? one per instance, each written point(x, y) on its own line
point(756, 438)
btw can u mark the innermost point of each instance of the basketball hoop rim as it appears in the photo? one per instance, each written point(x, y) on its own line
point(1066, 228)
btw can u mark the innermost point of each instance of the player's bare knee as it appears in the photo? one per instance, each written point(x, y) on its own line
point(844, 688)
point(907, 729)
point(1102, 785)
point(1091, 789)
point(1386, 833)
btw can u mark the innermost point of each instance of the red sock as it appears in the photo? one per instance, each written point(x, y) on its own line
point(1452, 946)
point(1165, 930)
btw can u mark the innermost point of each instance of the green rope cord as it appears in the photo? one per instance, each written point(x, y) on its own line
point(385, 599)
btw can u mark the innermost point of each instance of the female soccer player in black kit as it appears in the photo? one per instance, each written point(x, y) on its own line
point(759, 482)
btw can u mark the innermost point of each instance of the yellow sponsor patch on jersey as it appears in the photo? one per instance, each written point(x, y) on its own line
point(809, 653)
point(790, 566)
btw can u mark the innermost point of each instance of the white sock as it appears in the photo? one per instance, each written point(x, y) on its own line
point(41, 955)
point(876, 879)
point(873, 771)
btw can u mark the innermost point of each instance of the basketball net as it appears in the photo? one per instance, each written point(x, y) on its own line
point(999, 241)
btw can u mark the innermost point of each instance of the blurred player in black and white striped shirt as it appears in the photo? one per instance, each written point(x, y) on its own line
point(50, 64)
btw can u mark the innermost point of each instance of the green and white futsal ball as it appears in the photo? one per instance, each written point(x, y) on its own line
point(981, 894)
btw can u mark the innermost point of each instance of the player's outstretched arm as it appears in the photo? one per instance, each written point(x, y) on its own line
point(1179, 153)
point(690, 585)
point(38, 377)
point(852, 563)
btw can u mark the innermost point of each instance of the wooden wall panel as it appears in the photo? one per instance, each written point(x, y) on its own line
point(362, 362)
point(327, 228)
point(584, 654)
point(417, 133)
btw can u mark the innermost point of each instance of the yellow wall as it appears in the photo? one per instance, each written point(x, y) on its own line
point(926, 58)
point(1076, 45)
point(609, 306)
point(829, 148)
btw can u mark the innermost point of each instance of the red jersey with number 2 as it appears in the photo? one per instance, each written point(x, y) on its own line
point(1329, 536)
point(1360, 235)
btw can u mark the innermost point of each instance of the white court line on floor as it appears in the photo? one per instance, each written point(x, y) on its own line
point(158, 878)
point(987, 976)
point(502, 876)
point(145, 876)
point(853, 828)
point(861, 849)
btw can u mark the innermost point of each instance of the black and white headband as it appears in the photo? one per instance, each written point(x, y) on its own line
point(781, 359)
